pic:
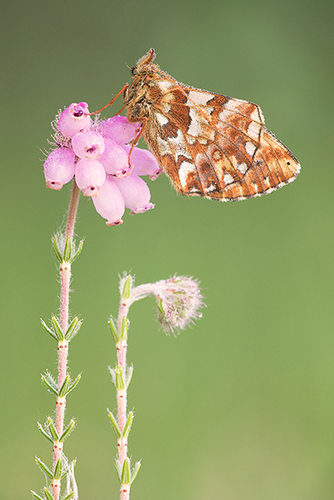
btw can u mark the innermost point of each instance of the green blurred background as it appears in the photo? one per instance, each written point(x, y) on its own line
point(241, 407)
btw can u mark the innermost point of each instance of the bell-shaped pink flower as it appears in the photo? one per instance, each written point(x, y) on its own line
point(135, 193)
point(90, 176)
point(59, 168)
point(88, 145)
point(109, 203)
point(74, 119)
point(119, 129)
point(144, 162)
point(115, 159)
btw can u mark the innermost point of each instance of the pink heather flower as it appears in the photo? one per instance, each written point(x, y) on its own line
point(59, 168)
point(98, 155)
point(74, 119)
point(109, 203)
point(115, 159)
point(88, 145)
point(90, 176)
point(144, 163)
point(118, 129)
point(135, 193)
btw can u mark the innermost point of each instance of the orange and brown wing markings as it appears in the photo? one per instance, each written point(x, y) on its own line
point(209, 144)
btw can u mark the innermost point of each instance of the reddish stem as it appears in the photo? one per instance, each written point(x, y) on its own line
point(65, 278)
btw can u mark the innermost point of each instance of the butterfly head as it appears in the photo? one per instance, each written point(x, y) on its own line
point(144, 65)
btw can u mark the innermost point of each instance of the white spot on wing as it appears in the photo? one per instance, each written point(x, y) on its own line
point(257, 115)
point(250, 148)
point(242, 167)
point(224, 115)
point(195, 126)
point(228, 179)
point(234, 104)
point(254, 130)
point(161, 119)
point(197, 97)
point(165, 85)
point(210, 188)
point(163, 146)
point(185, 169)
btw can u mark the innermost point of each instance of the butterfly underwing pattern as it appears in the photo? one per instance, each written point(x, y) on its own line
point(210, 145)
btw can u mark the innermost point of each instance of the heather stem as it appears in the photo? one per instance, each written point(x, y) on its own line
point(72, 211)
point(65, 277)
point(121, 389)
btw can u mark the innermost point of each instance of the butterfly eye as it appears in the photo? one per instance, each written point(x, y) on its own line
point(133, 71)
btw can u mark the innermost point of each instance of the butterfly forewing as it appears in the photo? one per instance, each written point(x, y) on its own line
point(208, 144)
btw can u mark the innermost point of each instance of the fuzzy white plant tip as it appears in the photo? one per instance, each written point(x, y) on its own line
point(179, 300)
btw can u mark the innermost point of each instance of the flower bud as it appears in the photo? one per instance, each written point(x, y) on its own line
point(59, 168)
point(90, 176)
point(74, 119)
point(109, 203)
point(88, 145)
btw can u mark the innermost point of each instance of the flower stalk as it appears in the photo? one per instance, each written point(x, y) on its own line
point(63, 333)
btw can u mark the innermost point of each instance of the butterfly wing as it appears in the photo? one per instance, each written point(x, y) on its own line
point(215, 146)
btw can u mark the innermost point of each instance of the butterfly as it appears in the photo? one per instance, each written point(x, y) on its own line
point(210, 145)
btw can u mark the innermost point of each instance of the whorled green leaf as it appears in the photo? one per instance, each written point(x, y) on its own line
point(36, 496)
point(78, 252)
point(47, 329)
point(128, 425)
point(74, 383)
point(67, 249)
point(67, 431)
point(50, 383)
point(47, 494)
point(126, 292)
point(113, 329)
point(125, 476)
point(57, 472)
point(119, 378)
point(114, 423)
point(43, 467)
point(64, 388)
point(135, 472)
point(43, 431)
point(56, 249)
point(57, 328)
point(69, 496)
point(73, 329)
point(52, 429)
